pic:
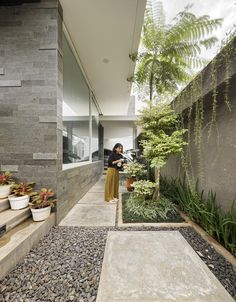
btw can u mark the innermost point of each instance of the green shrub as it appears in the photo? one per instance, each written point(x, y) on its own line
point(149, 209)
point(144, 189)
point(203, 210)
point(134, 169)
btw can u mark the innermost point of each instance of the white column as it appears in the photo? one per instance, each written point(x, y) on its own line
point(134, 137)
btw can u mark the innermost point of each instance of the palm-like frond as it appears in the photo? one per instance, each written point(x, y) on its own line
point(190, 28)
point(195, 62)
point(155, 10)
point(152, 37)
point(171, 51)
point(208, 43)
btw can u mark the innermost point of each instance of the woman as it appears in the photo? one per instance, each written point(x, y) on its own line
point(112, 180)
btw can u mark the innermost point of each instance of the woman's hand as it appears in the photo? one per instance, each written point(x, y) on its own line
point(118, 161)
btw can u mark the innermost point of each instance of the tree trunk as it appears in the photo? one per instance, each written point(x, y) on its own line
point(156, 194)
point(151, 86)
point(148, 170)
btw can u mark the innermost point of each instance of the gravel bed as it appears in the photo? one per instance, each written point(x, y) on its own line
point(66, 265)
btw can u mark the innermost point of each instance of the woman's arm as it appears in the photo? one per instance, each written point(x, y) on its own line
point(117, 161)
point(113, 159)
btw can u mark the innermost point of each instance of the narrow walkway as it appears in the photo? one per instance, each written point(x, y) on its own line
point(92, 210)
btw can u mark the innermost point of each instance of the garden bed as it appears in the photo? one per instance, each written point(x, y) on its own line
point(129, 217)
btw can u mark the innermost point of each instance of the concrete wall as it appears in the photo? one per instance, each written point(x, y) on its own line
point(216, 168)
point(30, 91)
point(73, 185)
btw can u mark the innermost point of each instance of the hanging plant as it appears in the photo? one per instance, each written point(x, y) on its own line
point(214, 98)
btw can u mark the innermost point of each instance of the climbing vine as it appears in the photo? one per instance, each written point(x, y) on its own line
point(226, 95)
point(198, 127)
point(214, 101)
point(192, 113)
point(228, 51)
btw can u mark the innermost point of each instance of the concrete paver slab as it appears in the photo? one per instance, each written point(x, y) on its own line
point(99, 186)
point(122, 189)
point(97, 189)
point(93, 198)
point(155, 266)
point(101, 189)
point(91, 215)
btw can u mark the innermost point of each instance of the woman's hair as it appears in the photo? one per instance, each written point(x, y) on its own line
point(117, 146)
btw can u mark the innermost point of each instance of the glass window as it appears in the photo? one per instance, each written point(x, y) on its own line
point(75, 109)
point(95, 125)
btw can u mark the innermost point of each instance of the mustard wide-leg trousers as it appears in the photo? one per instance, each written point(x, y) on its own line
point(112, 184)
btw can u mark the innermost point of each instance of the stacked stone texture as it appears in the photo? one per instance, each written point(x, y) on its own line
point(31, 90)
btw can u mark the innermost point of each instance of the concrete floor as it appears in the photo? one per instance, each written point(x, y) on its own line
point(155, 266)
point(91, 215)
point(92, 210)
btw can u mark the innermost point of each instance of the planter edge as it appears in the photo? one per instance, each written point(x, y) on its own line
point(217, 246)
point(120, 222)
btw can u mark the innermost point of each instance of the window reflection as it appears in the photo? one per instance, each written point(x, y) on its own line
point(76, 97)
point(75, 141)
point(95, 124)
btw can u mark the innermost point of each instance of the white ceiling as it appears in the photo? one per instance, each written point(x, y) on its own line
point(110, 30)
point(110, 133)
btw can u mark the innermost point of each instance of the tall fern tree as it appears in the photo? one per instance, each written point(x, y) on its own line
point(167, 56)
point(169, 52)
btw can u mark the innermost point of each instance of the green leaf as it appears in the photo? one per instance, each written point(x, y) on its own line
point(157, 162)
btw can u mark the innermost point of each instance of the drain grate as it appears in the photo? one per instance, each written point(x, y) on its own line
point(2, 229)
point(15, 2)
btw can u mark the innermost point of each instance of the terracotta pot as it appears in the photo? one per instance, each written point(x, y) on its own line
point(129, 182)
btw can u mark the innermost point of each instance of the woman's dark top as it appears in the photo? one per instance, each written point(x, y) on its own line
point(113, 157)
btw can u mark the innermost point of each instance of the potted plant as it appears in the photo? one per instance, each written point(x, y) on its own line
point(41, 204)
point(134, 170)
point(6, 181)
point(20, 195)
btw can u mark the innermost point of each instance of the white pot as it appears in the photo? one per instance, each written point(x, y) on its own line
point(19, 202)
point(41, 214)
point(5, 190)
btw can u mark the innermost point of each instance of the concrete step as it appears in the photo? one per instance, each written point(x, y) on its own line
point(16, 243)
point(11, 218)
point(4, 204)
